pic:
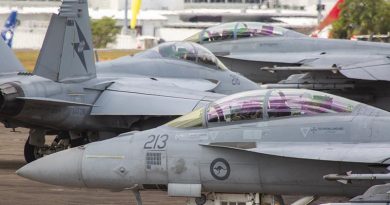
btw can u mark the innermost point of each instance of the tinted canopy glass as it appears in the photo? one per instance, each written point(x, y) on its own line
point(304, 102)
point(185, 51)
point(238, 30)
point(237, 108)
point(266, 105)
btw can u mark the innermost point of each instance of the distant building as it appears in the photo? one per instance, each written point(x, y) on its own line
point(168, 19)
point(182, 4)
point(211, 4)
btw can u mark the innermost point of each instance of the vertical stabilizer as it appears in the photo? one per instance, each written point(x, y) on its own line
point(9, 28)
point(332, 16)
point(67, 52)
point(8, 61)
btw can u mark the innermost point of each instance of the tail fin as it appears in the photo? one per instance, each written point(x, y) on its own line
point(332, 16)
point(67, 52)
point(8, 61)
point(135, 7)
point(9, 27)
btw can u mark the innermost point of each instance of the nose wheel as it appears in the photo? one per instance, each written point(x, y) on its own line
point(201, 200)
point(31, 152)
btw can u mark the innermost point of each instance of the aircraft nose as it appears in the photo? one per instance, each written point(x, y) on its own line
point(62, 168)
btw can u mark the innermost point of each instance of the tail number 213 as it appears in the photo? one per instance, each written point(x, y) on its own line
point(156, 142)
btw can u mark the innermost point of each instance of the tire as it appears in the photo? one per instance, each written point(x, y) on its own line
point(78, 142)
point(30, 152)
point(201, 200)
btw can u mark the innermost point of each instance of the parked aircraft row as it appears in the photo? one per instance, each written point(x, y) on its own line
point(82, 102)
point(260, 142)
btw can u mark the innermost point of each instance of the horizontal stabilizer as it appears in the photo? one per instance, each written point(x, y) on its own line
point(52, 102)
point(322, 151)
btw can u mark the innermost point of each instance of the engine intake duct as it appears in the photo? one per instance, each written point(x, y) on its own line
point(9, 104)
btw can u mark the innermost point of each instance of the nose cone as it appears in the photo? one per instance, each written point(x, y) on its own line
point(62, 168)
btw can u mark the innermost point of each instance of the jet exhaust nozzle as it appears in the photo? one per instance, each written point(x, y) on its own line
point(9, 102)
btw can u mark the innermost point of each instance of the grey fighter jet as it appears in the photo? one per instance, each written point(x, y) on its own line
point(270, 54)
point(375, 195)
point(179, 60)
point(291, 141)
point(65, 96)
point(254, 49)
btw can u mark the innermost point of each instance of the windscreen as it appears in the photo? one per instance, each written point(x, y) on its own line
point(185, 51)
point(190, 120)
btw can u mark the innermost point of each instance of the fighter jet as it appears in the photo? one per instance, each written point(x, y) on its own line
point(254, 49)
point(375, 195)
point(179, 60)
point(270, 54)
point(292, 141)
point(65, 96)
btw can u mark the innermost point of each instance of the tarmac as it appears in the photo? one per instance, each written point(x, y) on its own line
point(15, 190)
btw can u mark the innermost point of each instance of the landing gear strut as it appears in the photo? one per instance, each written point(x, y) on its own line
point(251, 198)
point(33, 152)
point(137, 195)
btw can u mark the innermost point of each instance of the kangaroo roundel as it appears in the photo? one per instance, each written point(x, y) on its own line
point(220, 169)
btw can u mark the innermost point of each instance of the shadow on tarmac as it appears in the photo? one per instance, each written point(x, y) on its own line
point(11, 164)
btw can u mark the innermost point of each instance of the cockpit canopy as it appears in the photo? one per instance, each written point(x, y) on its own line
point(186, 51)
point(238, 30)
point(266, 105)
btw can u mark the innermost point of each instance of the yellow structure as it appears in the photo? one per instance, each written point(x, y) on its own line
point(135, 8)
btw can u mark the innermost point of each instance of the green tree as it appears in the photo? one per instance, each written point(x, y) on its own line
point(104, 31)
point(362, 17)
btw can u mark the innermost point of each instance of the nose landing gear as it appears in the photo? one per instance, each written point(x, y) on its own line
point(33, 152)
point(236, 199)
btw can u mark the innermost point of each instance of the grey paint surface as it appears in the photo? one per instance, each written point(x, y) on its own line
point(282, 58)
point(67, 95)
point(278, 155)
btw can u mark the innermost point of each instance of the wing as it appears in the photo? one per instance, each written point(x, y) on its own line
point(285, 58)
point(191, 84)
point(362, 67)
point(153, 97)
point(360, 153)
point(372, 70)
point(51, 102)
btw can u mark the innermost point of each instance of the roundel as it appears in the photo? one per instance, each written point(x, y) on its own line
point(220, 169)
point(8, 35)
